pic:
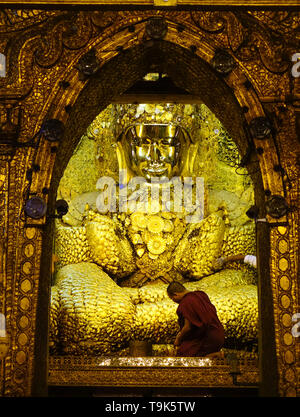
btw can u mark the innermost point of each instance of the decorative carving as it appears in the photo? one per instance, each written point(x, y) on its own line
point(73, 33)
point(216, 22)
point(78, 32)
point(210, 21)
point(17, 19)
point(103, 19)
point(271, 46)
point(49, 48)
point(163, 372)
point(157, 28)
point(282, 22)
point(251, 37)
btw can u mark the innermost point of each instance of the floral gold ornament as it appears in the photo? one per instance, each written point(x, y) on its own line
point(168, 226)
point(156, 245)
point(138, 219)
point(146, 236)
point(153, 256)
point(155, 224)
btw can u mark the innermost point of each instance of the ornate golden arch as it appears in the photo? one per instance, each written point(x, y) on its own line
point(196, 47)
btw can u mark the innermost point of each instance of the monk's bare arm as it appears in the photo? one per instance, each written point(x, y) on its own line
point(185, 329)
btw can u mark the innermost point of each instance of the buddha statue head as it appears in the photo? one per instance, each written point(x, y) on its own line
point(152, 150)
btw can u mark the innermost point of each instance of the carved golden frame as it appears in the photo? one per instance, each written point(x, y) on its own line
point(158, 3)
point(52, 59)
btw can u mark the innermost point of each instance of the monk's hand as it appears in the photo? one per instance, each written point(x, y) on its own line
point(177, 340)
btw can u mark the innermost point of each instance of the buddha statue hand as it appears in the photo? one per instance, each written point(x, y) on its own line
point(108, 245)
point(199, 247)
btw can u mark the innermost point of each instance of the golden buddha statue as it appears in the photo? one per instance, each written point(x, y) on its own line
point(132, 239)
point(158, 158)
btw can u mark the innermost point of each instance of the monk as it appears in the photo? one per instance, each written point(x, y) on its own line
point(201, 332)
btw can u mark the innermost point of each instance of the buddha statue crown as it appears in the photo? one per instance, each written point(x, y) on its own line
point(183, 115)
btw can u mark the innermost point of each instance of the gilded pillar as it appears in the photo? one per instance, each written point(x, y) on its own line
point(284, 262)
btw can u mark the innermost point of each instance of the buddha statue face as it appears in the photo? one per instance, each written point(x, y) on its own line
point(155, 150)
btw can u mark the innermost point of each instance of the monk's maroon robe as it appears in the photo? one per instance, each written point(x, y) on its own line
point(207, 332)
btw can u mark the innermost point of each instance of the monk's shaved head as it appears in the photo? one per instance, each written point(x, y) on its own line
point(175, 287)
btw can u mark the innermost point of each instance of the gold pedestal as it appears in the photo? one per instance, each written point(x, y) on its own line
point(172, 372)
